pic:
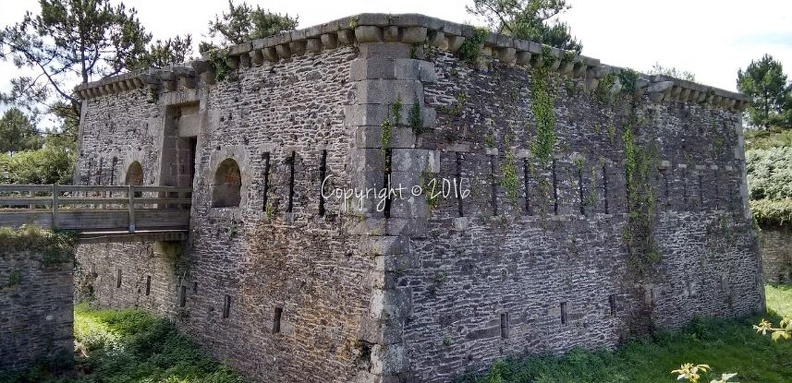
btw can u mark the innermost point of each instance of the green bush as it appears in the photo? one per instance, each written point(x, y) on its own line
point(130, 346)
point(769, 173)
point(772, 213)
point(50, 165)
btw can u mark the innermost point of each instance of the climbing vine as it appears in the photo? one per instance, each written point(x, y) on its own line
point(543, 104)
point(508, 173)
point(470, 49)
point(415, 119)
point(217, 58)
point(638, 233)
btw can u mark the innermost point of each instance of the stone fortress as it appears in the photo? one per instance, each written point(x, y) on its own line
point(584, 203)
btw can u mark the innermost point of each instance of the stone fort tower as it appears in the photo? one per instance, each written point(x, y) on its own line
point(583, 202)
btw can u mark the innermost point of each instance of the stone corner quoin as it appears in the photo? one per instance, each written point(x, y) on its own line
point(549, 201)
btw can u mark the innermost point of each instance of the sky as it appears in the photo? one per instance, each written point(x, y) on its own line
point(710, 38)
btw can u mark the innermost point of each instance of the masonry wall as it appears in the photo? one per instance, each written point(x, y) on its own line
point(776, 255)
point(589, 213)
point(36, 312)
point(534, 260)
point(280, 250)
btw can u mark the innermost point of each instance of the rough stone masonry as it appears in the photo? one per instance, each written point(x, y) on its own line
point(541, 200)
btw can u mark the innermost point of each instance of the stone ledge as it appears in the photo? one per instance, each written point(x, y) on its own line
point(419, 29)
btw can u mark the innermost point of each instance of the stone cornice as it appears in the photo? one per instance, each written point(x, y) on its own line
point(411, 29)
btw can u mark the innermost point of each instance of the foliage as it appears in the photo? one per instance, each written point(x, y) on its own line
point(764, 139)
point(162, 53)
point(533, 20)
point(52, 164)
point(543, 104)
point(126, 346)
point(772, 212)
point(726, 345)
point(77, 41)
point(692, 373)
point(470, 48)
point(17, 133)
point(769, 173)
point(779, 300)
point(765, 83)
point(415, 119)
point(244, 23)
point(56, 247)
point(87, 38)
point(783, 331)
point(671, 72)
point(638, 233)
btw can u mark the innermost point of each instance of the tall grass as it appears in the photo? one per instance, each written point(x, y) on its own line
point(130, 346)
point(727, 346)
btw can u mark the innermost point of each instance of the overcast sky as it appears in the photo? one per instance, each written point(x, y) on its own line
point(710, 38)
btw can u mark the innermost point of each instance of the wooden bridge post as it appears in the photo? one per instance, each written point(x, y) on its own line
point(131, 208)
point(55, 203)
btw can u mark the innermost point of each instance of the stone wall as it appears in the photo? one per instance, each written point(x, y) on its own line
point(36, 312)
point(598, 202)
point(776, 255)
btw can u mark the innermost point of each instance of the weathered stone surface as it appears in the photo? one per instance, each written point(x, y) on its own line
point(36, 310)
point(776, 255)
point(416, 287)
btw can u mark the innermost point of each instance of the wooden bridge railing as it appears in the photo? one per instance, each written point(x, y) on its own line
point(96, 208)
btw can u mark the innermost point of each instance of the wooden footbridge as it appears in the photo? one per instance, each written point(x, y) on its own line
point(99, 211)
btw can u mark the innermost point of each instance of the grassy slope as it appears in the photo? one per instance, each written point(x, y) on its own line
point(126, 346)
point(727, 346)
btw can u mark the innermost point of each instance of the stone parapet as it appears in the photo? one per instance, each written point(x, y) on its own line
point(416, 30)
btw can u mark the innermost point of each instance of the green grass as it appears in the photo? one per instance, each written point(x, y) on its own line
point(727, 346)
point(126, 346)
point(779, 299)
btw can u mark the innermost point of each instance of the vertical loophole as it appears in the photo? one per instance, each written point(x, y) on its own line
point(563, 313)
point(276, 320)
point(605, 187)
point(266, 158)
point(182, 296)
point(386, 182)
point(504, 325)
point(612, 304)
point(580, 191)
point(112, 170)
point(90, 170)
point(226, 306)
point(458, 176)
point(292, 160)
point(118, 279)
point(527, 186)
point(148, 285)
point(493, 185)
point(555, 189)
point(322, 175)
point(99, 171)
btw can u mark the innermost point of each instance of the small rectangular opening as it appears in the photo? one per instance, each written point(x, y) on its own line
point(612, 304)
point(195, 287)
point(227, 306)
point(183, 296)
point(148, 285)
point(276, 320)
point(504, 325)
point(563, 313)
point(118, 279)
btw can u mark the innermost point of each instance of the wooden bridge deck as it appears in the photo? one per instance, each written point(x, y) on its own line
point(96, 211)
